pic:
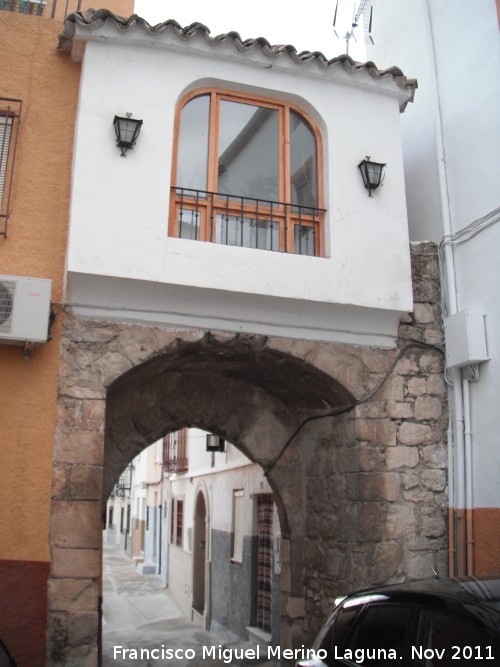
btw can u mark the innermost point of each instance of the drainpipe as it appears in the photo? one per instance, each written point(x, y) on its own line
point(469, 497)
point(457, 487)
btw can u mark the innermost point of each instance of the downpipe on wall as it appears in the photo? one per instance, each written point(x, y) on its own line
point(460, 532)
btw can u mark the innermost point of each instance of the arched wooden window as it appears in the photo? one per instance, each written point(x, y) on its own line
point(246, 172)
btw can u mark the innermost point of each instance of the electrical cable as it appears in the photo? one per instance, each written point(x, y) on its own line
point(348, 407)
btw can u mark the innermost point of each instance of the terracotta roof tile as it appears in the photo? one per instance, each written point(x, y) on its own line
point(96, 18)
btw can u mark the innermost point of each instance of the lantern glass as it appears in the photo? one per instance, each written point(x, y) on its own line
point(126, 130)
point(372, 173)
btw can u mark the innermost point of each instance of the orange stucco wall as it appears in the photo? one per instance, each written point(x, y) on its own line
point(486, 528)
point(47, 82)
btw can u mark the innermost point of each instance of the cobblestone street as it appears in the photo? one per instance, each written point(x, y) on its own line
point(139, 613)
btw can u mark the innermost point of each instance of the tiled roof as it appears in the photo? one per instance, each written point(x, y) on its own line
point(92, 19)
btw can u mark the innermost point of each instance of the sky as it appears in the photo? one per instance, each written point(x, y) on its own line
point(307, 25)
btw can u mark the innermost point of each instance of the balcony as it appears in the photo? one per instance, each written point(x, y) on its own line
point(245, 222)
point(48, 8)
point(124, 484)
point(34, 7)
point(175, 465)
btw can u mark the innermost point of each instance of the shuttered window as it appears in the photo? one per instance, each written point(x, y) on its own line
point(237, 555)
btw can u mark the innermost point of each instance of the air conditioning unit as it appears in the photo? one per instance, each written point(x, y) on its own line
point(24, 310)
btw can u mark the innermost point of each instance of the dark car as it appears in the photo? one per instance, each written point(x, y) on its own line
point(435, 623)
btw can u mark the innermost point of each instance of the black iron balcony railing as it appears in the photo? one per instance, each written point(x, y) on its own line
point(124, 484)
point(35, 7)
point(234, 220)
point(176, 465)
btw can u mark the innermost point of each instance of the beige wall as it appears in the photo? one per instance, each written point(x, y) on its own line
point(47, 82)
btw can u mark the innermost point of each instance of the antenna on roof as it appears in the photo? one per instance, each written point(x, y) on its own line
point(363, 11)
point(335, 20)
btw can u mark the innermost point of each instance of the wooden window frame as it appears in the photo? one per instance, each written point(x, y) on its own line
point(220, 203)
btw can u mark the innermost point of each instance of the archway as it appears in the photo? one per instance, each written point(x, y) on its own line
point(284, 404)
point(131, 389)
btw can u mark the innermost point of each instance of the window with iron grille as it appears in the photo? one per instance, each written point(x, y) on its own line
point(34, 7)
point(179, 523)
point(174, 451)
point(247, 172)
point(10, 114)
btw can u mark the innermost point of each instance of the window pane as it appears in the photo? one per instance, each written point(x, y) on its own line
point(303, 171)
point(382, 628)
point(247, 232)
point(193, 144)
point(248, 151)
point(441, 631)
point(189, 224)
point(304, 239)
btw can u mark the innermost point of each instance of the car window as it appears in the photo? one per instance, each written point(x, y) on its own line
point(335, 633)
point(446, 638)
point(381, 635)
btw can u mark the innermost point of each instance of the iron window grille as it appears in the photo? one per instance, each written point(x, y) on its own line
point(39, 7)
point(124, 484)
point(10, 119)
point(174, 452)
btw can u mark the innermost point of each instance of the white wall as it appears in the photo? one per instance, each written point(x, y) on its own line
point(119, 206)
point(465, 36)
point(467, 51)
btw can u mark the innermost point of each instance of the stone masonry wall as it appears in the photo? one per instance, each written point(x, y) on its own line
point(381, 516)
point(361, 493)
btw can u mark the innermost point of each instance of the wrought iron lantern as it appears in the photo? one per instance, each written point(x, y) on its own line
point(127, 130)
point(372, 173)
point(215, 443)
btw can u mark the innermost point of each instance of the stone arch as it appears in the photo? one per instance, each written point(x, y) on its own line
point(252, 395)
point(125, 387)
point(361, 496)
